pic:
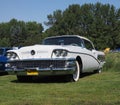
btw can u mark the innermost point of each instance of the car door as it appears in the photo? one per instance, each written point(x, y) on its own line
point(90, 61)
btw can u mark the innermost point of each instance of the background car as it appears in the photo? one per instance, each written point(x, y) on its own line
point(3, 59)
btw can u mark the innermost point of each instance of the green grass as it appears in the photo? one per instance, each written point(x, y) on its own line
point(96, 89)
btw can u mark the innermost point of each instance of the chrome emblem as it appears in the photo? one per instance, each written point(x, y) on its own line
point(32, 52)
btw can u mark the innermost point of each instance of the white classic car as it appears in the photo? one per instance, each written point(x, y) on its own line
point(68, 55)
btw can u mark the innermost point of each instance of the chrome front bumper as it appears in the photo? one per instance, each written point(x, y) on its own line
point(41, 67)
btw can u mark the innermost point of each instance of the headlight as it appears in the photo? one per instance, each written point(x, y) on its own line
point(64, 53)
point(60, 53)
point(12, 56)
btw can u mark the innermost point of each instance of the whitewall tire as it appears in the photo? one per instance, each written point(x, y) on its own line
point(76, 74)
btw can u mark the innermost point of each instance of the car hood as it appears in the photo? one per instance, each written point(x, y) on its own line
point(37, 51)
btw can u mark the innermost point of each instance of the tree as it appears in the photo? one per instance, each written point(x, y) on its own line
point(100, 23)
point(5, 42)
point(20, 33)
point(33, 32)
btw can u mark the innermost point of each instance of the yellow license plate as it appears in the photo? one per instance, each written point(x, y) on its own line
point(32, 73)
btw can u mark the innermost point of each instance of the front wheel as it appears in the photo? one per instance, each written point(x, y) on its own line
point(75, 76)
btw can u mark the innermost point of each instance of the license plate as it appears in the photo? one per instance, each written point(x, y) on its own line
point(32, 73)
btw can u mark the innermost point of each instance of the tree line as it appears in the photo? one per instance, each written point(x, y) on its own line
point(19, 33)
point(98, 22)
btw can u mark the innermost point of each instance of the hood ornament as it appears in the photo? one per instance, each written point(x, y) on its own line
point(32, 52)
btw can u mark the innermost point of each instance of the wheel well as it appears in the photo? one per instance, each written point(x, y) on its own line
point(78, 58)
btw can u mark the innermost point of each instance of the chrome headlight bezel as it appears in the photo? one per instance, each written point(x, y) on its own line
point(60, 52)
point(12, 56)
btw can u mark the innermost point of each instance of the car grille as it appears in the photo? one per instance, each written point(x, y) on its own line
point(42, 64)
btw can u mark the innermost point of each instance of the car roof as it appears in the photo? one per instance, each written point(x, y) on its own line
point(69, 36)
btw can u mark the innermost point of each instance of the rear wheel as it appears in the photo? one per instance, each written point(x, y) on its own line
point(98, 71)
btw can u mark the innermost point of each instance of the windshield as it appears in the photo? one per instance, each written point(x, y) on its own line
point(63, 41)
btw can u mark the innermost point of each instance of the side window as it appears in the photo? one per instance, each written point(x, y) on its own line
point(88, 45)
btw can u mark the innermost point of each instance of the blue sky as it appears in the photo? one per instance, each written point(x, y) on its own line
point(37, 10)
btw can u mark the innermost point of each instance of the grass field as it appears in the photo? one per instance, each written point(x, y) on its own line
point(95, 89)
